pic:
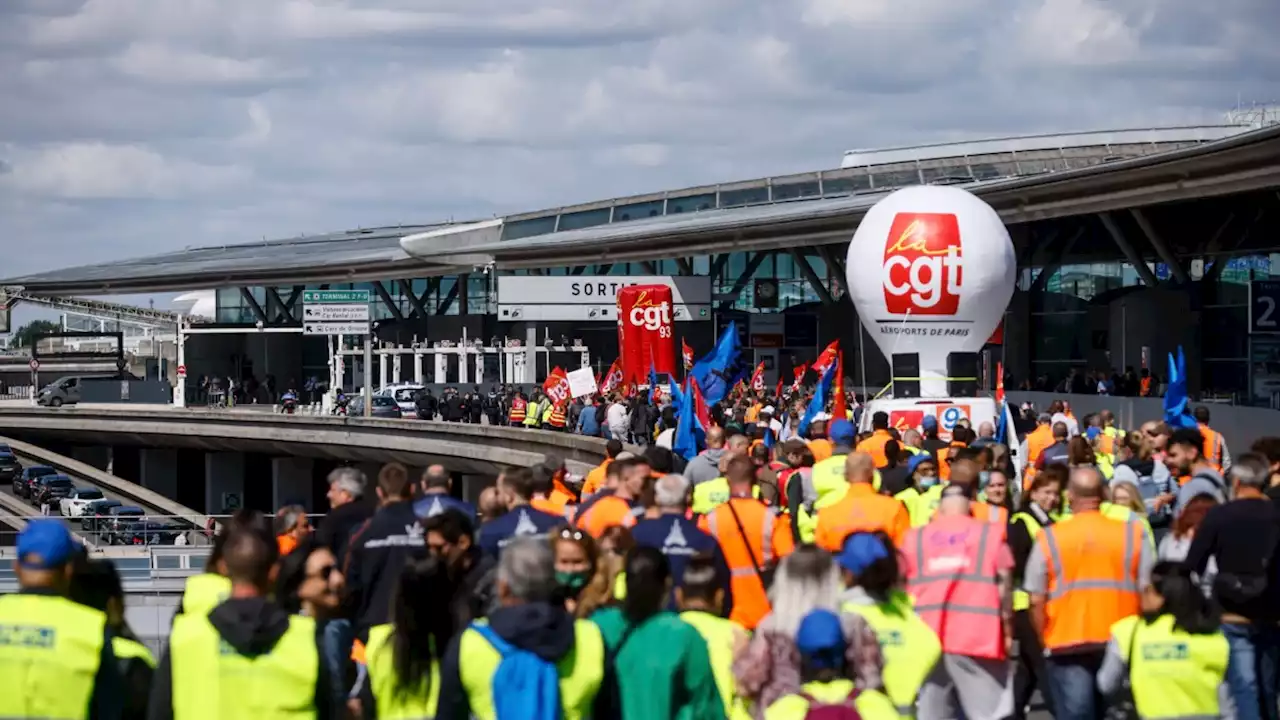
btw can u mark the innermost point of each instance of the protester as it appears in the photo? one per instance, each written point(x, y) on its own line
point(700, 598)
point(678, 536)
point(96, 584)
point(527, 619)
point(577, 563)
point(435, 498)
point(291, 526)
point(1039, 509)
point(449, 538)
point(766, 670)
point(660, 663)
point(516, 488)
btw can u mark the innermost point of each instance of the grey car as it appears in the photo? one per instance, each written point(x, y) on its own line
point(383, 407)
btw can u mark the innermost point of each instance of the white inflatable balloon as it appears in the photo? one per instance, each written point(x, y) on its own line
point(931, 270)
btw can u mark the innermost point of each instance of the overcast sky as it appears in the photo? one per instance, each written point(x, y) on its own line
point(129, 127)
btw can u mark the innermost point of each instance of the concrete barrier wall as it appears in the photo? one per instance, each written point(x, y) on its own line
point(1240, 425)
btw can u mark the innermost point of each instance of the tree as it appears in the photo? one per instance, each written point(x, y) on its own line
point(24, 336)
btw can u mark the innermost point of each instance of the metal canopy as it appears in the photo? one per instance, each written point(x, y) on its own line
point(1242, 163)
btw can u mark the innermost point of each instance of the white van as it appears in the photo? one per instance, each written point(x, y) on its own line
point(909, 413)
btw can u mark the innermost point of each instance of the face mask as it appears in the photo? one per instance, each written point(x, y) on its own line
point(574, 581)
point(928, 481)
point(983, 477)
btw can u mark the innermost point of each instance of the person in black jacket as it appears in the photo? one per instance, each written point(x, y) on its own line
point(381, 547)
point(426, 404)
point(348, 511)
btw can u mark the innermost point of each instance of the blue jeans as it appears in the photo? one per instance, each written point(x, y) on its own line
point(1073, 687)
point(1252, 668)
point(338, 638)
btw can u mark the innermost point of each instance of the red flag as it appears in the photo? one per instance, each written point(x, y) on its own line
point(699, 404)
point(757, 377)
point(686, 354)
point(839, 408)
point(777, 392)
point(613, 379)
point(800, 371)
point(999, 382)
point(827, 357)
point(556, 386)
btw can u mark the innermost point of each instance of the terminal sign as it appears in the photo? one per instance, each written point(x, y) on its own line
point(335, 312)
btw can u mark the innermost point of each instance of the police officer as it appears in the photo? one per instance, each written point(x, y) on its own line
point(56, 657)
point(247, 658)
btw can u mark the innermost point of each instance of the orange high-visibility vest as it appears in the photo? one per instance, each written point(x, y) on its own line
point(765, 538)
point(874, 446)
point(557, 415)
point(1145, 387)
point(861, 509)
point(1037, 441)
point(1212, 449)
point(517, 413)
point(1092, 565)
point(952, 573)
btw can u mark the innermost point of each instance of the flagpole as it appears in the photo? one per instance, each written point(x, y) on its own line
point(862, 360)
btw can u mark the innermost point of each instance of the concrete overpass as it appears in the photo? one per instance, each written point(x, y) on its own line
point(160, 433)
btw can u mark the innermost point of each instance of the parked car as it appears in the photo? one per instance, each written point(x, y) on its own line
point(111, 528)
point(405, 395)
point(73, 505)
point(95, 513)
point(383, 407)
point(10, 468)
point(25, 482)
point(51, 489)
point(147, 532)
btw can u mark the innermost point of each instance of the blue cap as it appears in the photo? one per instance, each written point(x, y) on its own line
point(841, 432)
point(916, 460)
point(45, 545)
point(859, 551)
point(1092, 433)
point(820, 638)
point(929, 423)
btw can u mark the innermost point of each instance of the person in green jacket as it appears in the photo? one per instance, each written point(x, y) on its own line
point(659, 662)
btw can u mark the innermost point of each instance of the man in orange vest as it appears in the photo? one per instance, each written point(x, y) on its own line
point(1037, 440)
point(861, 509)
point(1085, 573)
point(619, 506)
point(1215, 446)
point(874, 445)
point(519, 407)
point(959, 572)
point(964, 475)
point(595, 478)
point(753, 538)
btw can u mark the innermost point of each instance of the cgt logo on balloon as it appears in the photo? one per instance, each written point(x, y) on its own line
point(645, 333)
point(922, 264)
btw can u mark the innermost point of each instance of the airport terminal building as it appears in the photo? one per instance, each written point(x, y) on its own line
point(1129, 243)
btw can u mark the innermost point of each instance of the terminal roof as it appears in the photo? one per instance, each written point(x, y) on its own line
point(1239, 163)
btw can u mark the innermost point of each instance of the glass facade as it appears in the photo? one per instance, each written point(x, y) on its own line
point(1058, 314)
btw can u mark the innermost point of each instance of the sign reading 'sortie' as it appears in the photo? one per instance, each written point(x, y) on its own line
point(645, 335)
point(931, 270)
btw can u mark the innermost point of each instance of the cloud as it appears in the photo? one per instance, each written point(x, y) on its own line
point(138, 126)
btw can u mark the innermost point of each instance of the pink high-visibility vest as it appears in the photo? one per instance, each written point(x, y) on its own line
point(951, 574)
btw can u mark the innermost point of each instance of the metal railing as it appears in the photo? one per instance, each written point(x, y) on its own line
point(142, 569)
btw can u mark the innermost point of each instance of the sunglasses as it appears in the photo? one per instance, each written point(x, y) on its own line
point(326, 570)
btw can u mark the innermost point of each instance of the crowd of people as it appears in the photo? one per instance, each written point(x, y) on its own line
point(886, 574)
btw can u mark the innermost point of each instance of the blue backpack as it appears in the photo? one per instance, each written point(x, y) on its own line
point(525, 687)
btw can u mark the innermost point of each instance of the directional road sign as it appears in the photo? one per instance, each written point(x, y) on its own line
point(335, 328)
point(335, 312)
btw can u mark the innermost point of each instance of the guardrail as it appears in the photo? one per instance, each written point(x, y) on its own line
point(485, 446)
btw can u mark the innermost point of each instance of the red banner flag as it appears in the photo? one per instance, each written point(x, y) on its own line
point(556, 386)
point(757, 377)
point(827, 357)
point(613, 379)
point(1000, 383)
point(699, 404)
point(800, 371)
point(686, 354)
point(839, 407)
point(777, 392)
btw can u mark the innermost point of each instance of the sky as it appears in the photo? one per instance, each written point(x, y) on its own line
point(132, 127)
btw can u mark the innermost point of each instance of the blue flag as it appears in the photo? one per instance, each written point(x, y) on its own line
point(688, 430)
point(1177, 410)
point(722, 359)
point(819, 401)
point(1002, 425)
point(653, 383)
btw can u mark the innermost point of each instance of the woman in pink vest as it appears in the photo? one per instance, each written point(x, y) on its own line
point(959, 573)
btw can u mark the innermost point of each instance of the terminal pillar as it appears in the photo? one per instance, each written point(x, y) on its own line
point(471, 485)
point(98, 456)
point(158, 471)
point(382, 370)
point(291, 482)
point(224, 482)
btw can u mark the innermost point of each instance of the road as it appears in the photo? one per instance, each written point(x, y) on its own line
point(6, 488)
